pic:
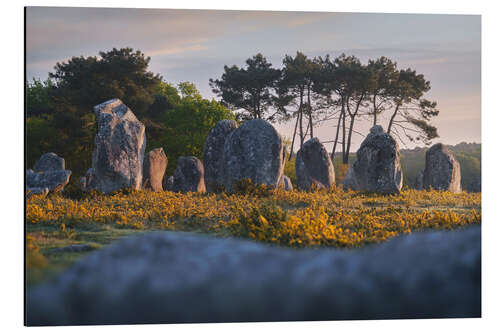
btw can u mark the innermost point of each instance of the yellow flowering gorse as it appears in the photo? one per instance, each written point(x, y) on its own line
point(295, 218)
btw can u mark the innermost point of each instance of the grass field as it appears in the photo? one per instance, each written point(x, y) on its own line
point(297, 219)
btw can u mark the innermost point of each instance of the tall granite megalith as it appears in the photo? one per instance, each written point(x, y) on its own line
point(119, 149)
point(377, 167)
point(253, 151)
point(213, 154)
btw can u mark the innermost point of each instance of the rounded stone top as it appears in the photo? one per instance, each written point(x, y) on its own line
point(49, 162)
point(156, 151)
point(312, 141)
point(227, 123)
point(188, 158)
point(377, 129)
point(438, 147)
point(256, 123)
point(113, 106)
point(253, 151)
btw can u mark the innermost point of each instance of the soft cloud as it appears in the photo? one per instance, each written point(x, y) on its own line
point(194, 45)
point(176, 50)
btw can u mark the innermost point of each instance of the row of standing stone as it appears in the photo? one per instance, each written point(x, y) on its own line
point(253, 151)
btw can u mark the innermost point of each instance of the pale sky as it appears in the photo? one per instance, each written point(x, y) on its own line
point(194, 45)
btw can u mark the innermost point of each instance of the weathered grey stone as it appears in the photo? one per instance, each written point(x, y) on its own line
point(49, 162)
point(442, 170)
point(350, 180)
point(188, 176)
point(54, 181)
point(475, 184)
point(154, 166)
point(286, 183)
point(42, 191)
point(253, 151)
point(88, 180)
point(377, 167)
point(49, 173)
point(168, 184)
point(419, 182)
point(313, 166)
point(169, 277)
point(119, 149)
point(31, 177)
point(213, 153)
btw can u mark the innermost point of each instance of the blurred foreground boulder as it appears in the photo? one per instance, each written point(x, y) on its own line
point(168, 277)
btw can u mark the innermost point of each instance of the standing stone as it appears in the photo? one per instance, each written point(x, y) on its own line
point(377, 167)
point(155, 164)
point(213, 153)
point(350, 180)
point(475, 184)
point(168, 183)
point(188, 176)
point(442, 170)
point(313, 166)
point(419, 182)
point(41, 191)
point(49, 162)
point(253, 151)
point(286, 183)
point(49, 175)
point(119, 149)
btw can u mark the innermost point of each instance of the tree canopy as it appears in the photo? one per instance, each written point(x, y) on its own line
point(324, 89)
point(305, 91)
point(187, 124)
point(60, 115)
point(250, 90)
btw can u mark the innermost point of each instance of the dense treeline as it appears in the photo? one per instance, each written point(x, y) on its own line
point(304, 92)
point(341, 90)
point(60, 118)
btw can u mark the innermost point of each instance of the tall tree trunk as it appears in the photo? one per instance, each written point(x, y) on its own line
point(351, 126)
point(343, 139)
point(349, 136)
point(293, 139)
point(337, 135)
point(310, 111)
point(392, 119)
point(301, 127)
point(374, 110)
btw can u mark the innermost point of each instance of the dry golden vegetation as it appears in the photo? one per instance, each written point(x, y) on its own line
point(298, 219)
point(335, 217)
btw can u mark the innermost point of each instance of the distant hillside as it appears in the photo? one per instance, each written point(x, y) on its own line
point(467, 154)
